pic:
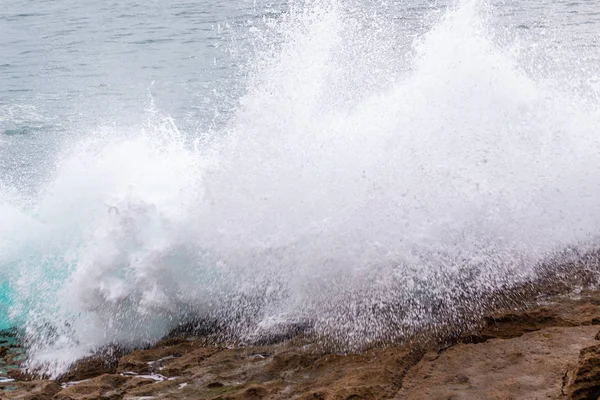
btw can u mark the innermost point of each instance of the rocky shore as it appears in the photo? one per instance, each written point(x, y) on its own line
point(547, 351)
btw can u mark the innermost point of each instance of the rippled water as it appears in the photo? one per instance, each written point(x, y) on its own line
point(67, 65)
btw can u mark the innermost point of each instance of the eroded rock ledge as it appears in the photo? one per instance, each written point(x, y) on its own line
point(550, 351)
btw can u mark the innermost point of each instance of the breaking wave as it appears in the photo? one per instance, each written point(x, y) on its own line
point(366, 186)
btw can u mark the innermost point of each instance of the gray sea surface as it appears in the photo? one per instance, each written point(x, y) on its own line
point(68, 66)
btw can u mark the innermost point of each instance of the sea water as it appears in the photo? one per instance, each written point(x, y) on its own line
point(364, 168)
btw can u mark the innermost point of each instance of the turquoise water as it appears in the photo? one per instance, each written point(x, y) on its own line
point(5, 303)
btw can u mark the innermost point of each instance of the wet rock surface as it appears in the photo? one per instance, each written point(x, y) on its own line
point(530, 366)
point(11, 355)
point(548, 351)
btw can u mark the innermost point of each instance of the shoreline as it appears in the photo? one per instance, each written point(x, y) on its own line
point(547, 350)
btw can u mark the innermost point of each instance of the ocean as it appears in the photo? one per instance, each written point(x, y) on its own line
point(367, 168)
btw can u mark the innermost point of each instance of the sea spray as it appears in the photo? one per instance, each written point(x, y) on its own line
point(365, 187)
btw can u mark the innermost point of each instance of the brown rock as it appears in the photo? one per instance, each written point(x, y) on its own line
point(135, 382)
point(34, 390)
point(583, 382)
point(155, 359)
point(139, 362)
point(531, 366)
point(181, 365)
point(88, 368)
point(107, 387)
point(544, 352)
point(255, 392)
point(13, 358)
point(169, 389)
point(512, 324)
point(291, 361)
point(374, 374)
point(20, 375)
